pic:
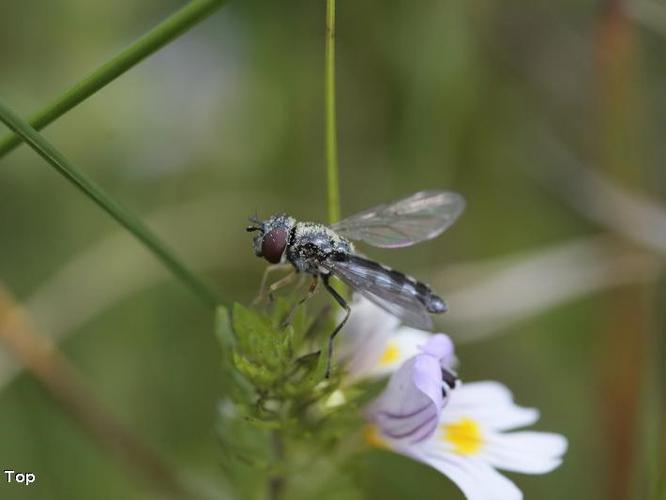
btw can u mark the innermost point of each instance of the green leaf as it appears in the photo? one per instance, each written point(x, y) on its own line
point(264, 351)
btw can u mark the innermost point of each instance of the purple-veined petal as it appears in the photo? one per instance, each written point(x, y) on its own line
point(410, 406)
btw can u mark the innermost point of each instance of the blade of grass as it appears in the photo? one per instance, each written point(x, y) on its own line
point(128, 220)
point(330, 125)
point(158, 37)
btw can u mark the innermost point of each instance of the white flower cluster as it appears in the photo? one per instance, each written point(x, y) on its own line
point(459, 429)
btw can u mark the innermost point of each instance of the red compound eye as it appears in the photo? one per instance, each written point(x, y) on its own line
point(273, 244)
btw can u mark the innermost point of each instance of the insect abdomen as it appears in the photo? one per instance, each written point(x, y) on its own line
point(422, 292)
point(432, 302)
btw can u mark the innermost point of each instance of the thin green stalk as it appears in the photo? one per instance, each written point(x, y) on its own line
point(149, 43)
point(331, 132)
point(37, 142)
point(277, 481)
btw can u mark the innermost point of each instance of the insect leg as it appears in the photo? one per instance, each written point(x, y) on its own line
point(343, 303)
point(311, 291)
point(282, 282)
point(263, 291)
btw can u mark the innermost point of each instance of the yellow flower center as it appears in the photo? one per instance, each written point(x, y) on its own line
point(390, 355)
point(372, 437)
point(465, 436)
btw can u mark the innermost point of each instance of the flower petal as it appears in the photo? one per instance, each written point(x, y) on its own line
point(368, 317)
point(440, 346)
point(365, 337)
point(410, 406)
point(401, 346)
point(373, 345)
point(476, 479)
point(489, 403)
point(527, 452)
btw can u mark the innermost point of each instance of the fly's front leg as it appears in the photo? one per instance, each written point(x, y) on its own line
point(263, 291)
point(301, 279)
point(280, 284)
point(311, 291)
point(343, 303)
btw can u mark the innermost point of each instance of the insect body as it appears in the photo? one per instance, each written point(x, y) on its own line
point(327, 251)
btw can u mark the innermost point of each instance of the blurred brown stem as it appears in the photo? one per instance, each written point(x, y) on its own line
point(620, 147)
point(42, 359)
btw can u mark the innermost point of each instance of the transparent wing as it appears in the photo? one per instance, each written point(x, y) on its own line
point(419, 217)
point(377, 285)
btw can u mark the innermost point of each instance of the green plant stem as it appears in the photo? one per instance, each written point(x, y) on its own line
point(128, 220)
point(276, 482)
point(330, 125)
point(158, 37)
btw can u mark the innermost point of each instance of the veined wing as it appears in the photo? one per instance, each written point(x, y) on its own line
point(419, 217)
point(378, 285)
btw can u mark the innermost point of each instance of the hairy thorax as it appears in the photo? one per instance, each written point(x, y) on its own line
point(311, 244)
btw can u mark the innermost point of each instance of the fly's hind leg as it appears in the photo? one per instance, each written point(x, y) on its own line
point(264, 291)
point(343, 303)
point(311, 291)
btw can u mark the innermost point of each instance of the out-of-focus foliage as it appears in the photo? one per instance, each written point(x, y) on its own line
point(228, 120)
point(277, 420)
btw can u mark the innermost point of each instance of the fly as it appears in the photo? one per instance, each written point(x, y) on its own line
point(325, 251)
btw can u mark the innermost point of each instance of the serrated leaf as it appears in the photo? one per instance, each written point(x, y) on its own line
point(264, 351)
point(280, 310)
point(251, 328)
point(261, 376)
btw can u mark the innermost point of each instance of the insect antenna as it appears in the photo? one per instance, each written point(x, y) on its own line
point(256, 223)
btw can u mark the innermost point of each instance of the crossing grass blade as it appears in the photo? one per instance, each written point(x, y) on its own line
point(151, 42)
point(123, 216)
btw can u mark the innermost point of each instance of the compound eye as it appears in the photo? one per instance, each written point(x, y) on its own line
point(273, 244)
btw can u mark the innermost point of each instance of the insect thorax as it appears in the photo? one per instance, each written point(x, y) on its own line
point(310, 244)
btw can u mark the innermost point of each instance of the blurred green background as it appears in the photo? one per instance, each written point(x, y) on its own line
point(511, 103)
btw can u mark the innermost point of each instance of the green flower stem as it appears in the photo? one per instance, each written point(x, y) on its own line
point(149, 43)
point(331, 133)
point(37, 142)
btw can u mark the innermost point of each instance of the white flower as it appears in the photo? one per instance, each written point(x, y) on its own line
point(470, 442)
point(460, 432)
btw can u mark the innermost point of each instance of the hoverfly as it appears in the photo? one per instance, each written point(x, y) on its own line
point(324, 251)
